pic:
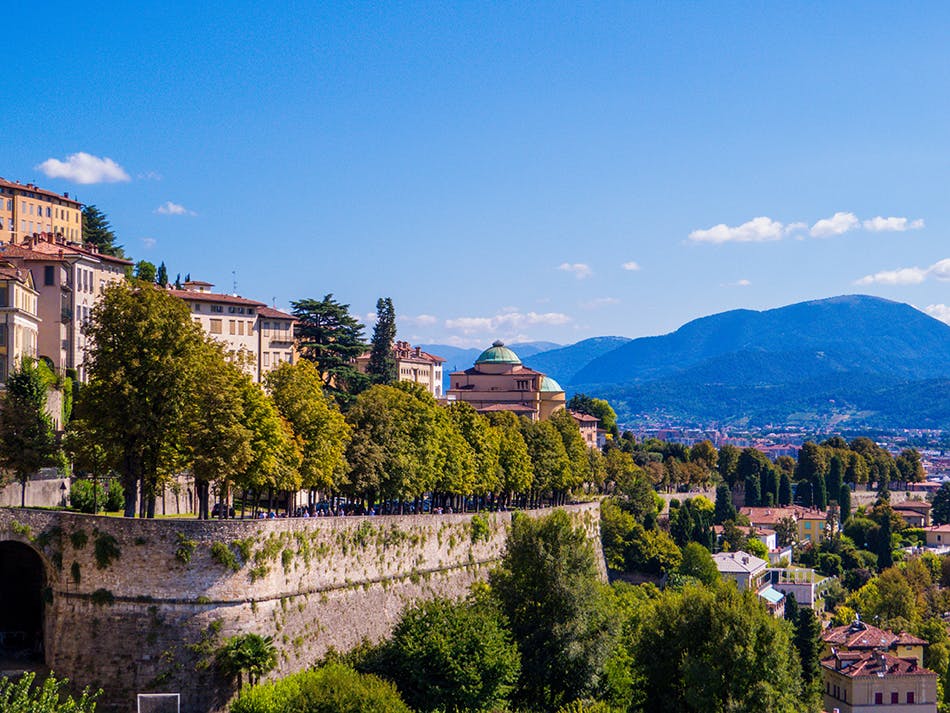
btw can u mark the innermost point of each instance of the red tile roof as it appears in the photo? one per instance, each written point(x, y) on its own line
point(877, 664)
point(586, 417)
point(861, 636)
point(271, 313)
point(29, 187)
point(193, 296)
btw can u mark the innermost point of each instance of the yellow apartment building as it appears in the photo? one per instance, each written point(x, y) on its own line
point(413, 365)
point(26, 209)
point(19, 321)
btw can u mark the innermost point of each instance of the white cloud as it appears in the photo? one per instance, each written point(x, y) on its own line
point(84, 168)
point(764, 229)
point(940, 270)
point(941, 312)
point(879, 224)
point(600, 302)
point(580, 269)
point(737, 283)
point(506, 321)
point(631, 266)
point(422, 320)
point(838, 224)
point(169, 208)
point(149, 176)
point(757, 230)
point(149, 243)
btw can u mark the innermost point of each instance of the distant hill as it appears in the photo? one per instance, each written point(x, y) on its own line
point(562, 364)
point(856, 358)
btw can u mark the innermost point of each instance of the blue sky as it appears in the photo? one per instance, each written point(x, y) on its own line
point(524, 171)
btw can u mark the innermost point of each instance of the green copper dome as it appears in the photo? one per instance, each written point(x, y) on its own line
point(498, 353)
point(549, 384)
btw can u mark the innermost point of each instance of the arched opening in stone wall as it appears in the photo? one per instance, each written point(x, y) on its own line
point(22, 581)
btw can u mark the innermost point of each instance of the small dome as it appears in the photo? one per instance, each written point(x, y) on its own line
point(549, 384)
point(498, 353)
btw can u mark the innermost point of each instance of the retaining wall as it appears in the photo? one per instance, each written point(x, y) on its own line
point(137, 606)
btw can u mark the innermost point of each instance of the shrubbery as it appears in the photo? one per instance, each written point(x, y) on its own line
point(334, 688)
point(87, 496)
point(21, 696)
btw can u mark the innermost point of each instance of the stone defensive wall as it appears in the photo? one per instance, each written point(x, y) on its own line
point(140, 606)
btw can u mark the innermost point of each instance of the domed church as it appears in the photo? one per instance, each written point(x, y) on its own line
point(500, 382)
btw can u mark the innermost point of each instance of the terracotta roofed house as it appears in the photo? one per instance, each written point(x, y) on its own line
point(860, 636)
point(26, 209)
point(854, 681)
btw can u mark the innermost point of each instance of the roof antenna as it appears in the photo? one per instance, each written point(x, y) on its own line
point(234, 282)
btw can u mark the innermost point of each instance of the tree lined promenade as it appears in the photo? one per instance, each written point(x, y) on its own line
point(163, 399)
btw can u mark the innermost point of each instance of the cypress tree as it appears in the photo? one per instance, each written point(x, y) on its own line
point(382, 365)
point(885, 557)
point(785, 490)
point(844, 502)
point(819, 494)
point(791, 609)
point(808, 643)
point(835, 477)
point(752, 493)
point(725, 509)
point(162, 277)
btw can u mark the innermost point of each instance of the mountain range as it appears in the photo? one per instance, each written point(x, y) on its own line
point(851, 360)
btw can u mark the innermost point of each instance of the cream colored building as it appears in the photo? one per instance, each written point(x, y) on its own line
point(19, 321)
point(257, 337)
point(276, 339)
point(500, 382)
point(413, 365)
point(856, 681)
point(70, 279)
point(26, 209)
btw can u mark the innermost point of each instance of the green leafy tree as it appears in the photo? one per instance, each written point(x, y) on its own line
point(909, 466)
point(599, 408)
point(145, 360)
point(250, 655)
point(485, 443)
point(97, 230)
point(728, 464)
point(713, 650)
point(23, 695)
point(330, 337)
point(27, 439)
point(446, 655)
point(651, 552)
point(697, 562)
point(145, 271)
point(514, 462)
point(574, 447)
point(321, 431)
point(334, 688)
point(548, 587)
point(382, 366)
point(549, 460)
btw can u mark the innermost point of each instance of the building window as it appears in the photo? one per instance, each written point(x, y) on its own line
point(231, 327)
point(240, 326)
point(894, 697)
point(266, 358)
point(878, 698)
point(910, 696)
point(215, 326)
point(217, 308)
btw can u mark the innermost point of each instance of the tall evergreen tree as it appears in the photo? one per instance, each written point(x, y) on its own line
point(791, 609)
point(819, 493)
point(97, 230)
point(784, 489)
point(752, 491)
point(162, 276)
point(725, 509)
point(331, 338)
point(836, 469)
point(885, 556)
point(808, 642)
point(382, 365)
point(844, 502)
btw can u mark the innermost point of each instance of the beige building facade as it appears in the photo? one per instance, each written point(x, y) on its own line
point(256, 337)
point(70, 279)
point(498, 381)
point(26, 209)
point(19, 320)
point(876, 681)
point(413, 365)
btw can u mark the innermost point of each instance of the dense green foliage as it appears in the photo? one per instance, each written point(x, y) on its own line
point(250, 655)
point(547, 586)
point(330, 337)
point(449, 656)
point(22, 696)
point(382, 367)
point(334, 688)
point(97, 230)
